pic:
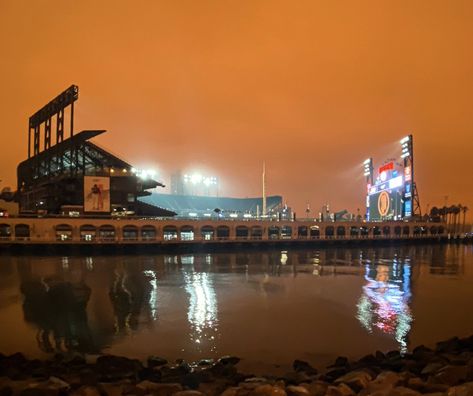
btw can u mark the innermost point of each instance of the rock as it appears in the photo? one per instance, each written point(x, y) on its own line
point(302, 366)
point(189, 393)
point(112, 368)
point(260, 380)
point(416, 384)
point(340, 361)
point(132, 390)
point(451, 375)
point(393, 354)
point(450, 345)
point(33, 392)
point(383, 384)
point(113, 389)
point(296, 378)
point(356, 380)
point(159, 389)
point(316, 388)
point(86, 390)
point(231, 360)
point(205, 362)
point(340, 390)
point(230, 391)
point(368, 360)
point(293, 390)
point(155, 361)
point(268, 390)
point(403, 391)
point(380, 356)
point(431, 368)
point(465, 389)
point(6, 391)
point(213, 388)
point(335, 373)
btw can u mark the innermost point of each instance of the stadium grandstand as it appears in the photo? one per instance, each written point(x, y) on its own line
point(70, 175)
point(186, 206)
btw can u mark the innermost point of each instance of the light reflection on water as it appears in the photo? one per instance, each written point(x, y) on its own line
point(202, 310)
point(384, 303)
point(91, 304)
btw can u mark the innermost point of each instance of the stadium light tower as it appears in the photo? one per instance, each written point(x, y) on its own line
point(198, 181)
point(411, 195)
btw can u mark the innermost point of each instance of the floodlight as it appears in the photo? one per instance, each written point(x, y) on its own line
point(405, 139)
point(196, 178)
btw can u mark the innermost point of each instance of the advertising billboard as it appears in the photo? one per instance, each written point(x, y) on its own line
point(96, 194)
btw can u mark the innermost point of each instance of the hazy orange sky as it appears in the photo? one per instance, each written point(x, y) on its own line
point(312, 88)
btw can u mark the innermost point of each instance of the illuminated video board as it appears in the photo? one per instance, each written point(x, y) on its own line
point(386, 197)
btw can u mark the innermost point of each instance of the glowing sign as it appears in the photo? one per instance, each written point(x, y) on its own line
point(408, 208)
point(407, 173)
point(383, 203)
point(387, 167)
point(395, 182)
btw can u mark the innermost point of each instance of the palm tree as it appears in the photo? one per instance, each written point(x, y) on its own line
point(464, 209)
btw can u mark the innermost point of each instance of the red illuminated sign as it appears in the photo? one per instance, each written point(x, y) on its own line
point(386, 167)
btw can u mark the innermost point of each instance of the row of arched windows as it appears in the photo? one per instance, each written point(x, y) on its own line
point(108, 232)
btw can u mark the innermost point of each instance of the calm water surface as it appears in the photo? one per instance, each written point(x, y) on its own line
point(266, 307)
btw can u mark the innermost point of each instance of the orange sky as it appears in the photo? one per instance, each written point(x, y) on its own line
point(311, 87)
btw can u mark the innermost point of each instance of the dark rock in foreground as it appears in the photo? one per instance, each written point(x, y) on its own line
point(446, 370)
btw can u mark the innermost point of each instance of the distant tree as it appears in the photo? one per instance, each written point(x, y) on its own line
point(464, 210)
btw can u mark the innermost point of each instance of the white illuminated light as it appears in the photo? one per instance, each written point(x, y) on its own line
point(367, 161)
point(144, 173)
point(196, 178)
point(192, 214)
point(405, 139)
point(233, 215)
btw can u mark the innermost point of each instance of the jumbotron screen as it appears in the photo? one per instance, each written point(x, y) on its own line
point(386, 205)
point(386, 197)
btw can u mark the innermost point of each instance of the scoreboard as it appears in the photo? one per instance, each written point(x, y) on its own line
point(385, 199)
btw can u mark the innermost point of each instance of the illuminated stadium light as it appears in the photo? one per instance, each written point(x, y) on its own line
point(233, 215)
point(405, 139)
point(367, 167)
point(144, 173)
point(197, 178)
point(406, 145)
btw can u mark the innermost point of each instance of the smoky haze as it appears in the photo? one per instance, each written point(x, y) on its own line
point(312, 88)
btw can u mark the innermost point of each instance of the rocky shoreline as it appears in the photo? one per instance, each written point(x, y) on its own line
point(446, 369)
